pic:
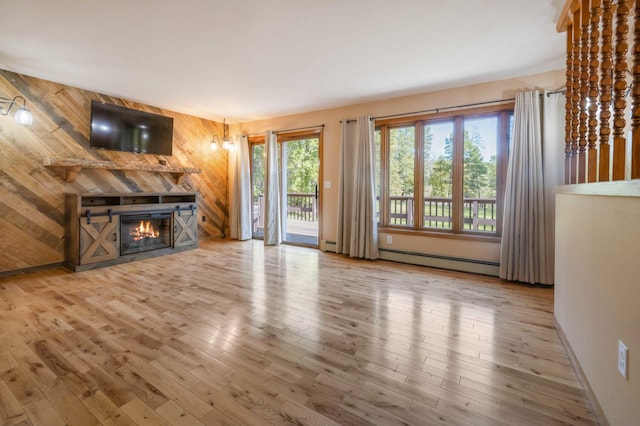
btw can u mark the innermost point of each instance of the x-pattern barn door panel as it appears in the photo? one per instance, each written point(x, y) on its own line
point(99, 239)
point(185, 226)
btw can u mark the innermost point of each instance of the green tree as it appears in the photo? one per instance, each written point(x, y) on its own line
point(479, 175)
point(257, 170)
point(490, 191)
point(428, 143)
point(475, 169)
point(428, 159)
point(440, 178)
point(302, 165)
point(401, 152)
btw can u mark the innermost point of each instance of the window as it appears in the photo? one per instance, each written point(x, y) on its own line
point(401, 175)
point(445, 172)
point(257, 188)
point(438, 174)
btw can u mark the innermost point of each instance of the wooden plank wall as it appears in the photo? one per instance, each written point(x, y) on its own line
point(32, 196)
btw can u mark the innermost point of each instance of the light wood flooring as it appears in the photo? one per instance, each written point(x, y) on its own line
point(239, 333)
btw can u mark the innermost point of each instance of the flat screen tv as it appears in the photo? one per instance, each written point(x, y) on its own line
point(123, 129)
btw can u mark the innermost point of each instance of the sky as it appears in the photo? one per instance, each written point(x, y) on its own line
point(487, 127)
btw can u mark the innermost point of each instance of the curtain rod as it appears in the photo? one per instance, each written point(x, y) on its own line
point(553, 92)
point(437, 110)
point(321, 126)
point(286, 131)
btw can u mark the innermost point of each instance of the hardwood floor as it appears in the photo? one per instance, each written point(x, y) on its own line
point(236, 333)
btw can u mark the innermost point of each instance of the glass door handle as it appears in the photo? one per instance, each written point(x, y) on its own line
point(316, 191)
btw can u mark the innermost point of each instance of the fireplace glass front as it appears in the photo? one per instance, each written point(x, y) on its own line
point(144, 232)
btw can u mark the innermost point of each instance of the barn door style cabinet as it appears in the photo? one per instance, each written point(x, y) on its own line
point(99, 239)
point(106, 229)
point(185, 229)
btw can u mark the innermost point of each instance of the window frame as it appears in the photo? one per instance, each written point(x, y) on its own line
point(502, 112)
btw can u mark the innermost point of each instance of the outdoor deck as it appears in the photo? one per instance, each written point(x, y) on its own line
point(298, 232)
point(302, 232)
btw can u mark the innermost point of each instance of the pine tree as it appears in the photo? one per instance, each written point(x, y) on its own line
point(475, 169)
point(401, 154)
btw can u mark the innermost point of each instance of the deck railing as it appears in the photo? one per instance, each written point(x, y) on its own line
point(603, 69)
point(480, 214)
point(303, 207)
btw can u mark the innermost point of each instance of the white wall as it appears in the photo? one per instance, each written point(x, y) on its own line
point(459, 248)
point(597, 291)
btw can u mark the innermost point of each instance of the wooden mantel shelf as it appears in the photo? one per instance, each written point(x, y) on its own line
point(72, 167)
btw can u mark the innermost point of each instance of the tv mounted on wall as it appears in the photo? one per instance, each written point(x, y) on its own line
point(123, 129)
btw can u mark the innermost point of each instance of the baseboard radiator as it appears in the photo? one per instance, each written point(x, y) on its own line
point(432, 260)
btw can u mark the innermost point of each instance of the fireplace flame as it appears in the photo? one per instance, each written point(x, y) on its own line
point(145, 230)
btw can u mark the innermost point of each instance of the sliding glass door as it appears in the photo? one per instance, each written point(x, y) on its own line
point(257, 188)
point(299, 168)
point(300, 177)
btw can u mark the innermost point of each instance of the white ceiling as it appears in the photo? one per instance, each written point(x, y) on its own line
point(252, 59)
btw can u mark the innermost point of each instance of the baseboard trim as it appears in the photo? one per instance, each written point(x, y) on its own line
point(129, 258)
point(14, 272)
point(431, 260)
point(582, 378)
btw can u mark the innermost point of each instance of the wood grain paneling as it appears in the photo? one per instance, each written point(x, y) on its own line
point(32, 196)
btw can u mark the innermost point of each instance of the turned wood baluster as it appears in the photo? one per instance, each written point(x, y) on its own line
point(568, 106)
point(584, 90)
point(593, 89)
point(575, 96)
point(606, 82)
point(635, 144)
point(620, 88)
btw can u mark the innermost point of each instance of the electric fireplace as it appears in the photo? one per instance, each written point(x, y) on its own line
point(144, 232)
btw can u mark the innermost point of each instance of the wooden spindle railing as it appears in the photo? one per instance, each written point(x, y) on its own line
point(597, 87)
point(606, 82)
point(635, 137)
point(575, 99)
point(594, 63)
point(584, 90)
point(619, 90)
point(568, 125)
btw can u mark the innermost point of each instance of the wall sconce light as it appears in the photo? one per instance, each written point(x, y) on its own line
point(22, 115)
point(226, 143)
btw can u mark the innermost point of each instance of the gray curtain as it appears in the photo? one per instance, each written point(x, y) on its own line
point(357, 233)
point(272, 216)
point(553, 120)
point(526, 252)
point(240, 183)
